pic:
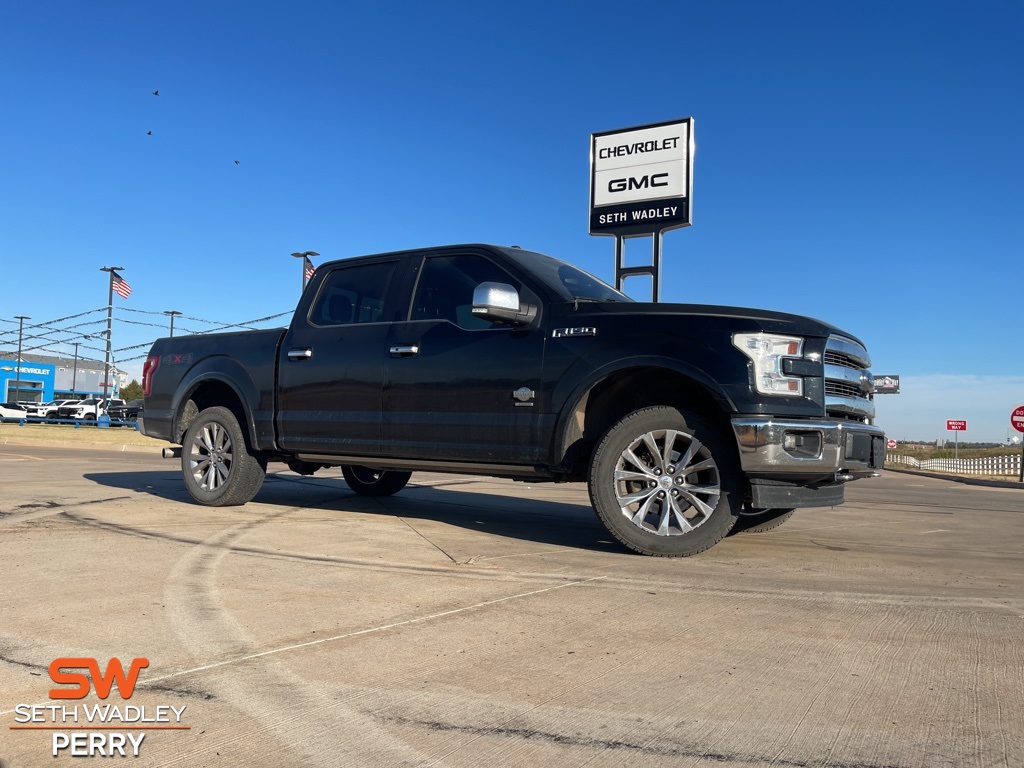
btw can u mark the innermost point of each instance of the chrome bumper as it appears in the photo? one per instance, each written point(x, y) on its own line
point(819, 449)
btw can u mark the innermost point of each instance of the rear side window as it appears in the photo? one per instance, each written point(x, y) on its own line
point(353, 295)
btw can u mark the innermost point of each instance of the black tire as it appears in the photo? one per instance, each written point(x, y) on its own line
point(219, 467)
point(374, 482)
point(650, 502)
point(761, 520)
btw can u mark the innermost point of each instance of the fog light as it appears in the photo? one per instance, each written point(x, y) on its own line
point(802, 444)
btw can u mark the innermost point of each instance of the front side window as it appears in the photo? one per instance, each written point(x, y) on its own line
point(445, 289)
point(569, 282)
point(353, 295)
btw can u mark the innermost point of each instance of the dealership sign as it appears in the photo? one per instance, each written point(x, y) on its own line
point(641, 179)
point(887, 384)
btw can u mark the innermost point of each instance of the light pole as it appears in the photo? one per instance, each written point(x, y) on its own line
point(74, 371)
point(307, 265)
point(172, 313)
point(17, 373)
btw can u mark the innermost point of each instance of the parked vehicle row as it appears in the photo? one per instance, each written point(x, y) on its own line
point(89, 409)
point(47, 410)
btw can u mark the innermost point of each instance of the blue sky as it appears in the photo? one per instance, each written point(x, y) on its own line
point(859, 162)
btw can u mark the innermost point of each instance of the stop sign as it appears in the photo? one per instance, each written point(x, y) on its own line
point(1017, 418)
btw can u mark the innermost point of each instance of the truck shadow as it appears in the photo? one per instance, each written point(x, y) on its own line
point(452, 503)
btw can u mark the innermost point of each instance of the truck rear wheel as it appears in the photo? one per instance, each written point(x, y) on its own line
point(219, 468)
point(664, 482)
point(374, 482)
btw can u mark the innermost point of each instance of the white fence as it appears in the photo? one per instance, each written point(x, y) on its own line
point(994, 466)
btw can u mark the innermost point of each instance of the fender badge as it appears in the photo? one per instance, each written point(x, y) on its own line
point(524, 395)
point(561, 333)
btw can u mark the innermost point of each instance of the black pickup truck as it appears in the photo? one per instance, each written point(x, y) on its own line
point(686, 421)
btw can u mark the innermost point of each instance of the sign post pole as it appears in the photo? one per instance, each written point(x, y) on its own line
point(956, 426)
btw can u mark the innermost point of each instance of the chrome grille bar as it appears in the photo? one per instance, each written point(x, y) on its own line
point(849, 385)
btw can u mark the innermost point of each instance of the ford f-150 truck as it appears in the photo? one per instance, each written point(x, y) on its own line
point(685, 421)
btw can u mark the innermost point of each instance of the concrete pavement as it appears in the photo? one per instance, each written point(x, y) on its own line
point(469, 621)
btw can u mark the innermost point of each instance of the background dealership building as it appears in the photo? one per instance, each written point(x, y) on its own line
point(44, 378)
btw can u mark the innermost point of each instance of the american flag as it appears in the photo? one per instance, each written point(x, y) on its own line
point(309, 269)
point(121, 287)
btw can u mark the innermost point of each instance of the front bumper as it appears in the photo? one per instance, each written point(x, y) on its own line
point(814, 450)
point(805, 463)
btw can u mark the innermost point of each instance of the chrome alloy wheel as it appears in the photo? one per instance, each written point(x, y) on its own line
point(667, 482)
point(211, 458)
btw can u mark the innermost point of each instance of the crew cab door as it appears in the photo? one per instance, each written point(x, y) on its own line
point(460, 388)
point(331, 365)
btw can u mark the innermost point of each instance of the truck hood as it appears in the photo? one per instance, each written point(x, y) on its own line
point(760, 319)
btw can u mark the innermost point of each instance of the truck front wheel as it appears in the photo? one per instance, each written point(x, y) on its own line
point(374, 482)
point(216, 462)
point(761, 520)
point(664, 482)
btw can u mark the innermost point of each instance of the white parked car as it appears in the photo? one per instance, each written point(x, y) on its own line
point(12, 411)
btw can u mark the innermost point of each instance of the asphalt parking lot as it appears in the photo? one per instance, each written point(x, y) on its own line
point(471, 622)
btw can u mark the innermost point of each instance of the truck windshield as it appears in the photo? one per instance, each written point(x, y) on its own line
point(569, 282)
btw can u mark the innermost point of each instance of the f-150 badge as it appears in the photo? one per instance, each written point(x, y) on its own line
point(561, 333)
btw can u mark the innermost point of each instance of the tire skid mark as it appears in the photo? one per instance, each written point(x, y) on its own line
point(54, 505)
point(626, 746)
point(207, 630)
point(276, 554)
point(811, 596)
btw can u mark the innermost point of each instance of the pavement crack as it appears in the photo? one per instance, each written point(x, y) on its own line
point(427, 539)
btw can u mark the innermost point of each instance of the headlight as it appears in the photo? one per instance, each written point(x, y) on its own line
point(767, 353)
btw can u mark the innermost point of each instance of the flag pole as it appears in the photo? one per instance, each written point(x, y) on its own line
point(110, 314)
point(304, 255)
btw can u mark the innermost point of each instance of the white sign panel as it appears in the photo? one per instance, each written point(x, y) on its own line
point(641, 178)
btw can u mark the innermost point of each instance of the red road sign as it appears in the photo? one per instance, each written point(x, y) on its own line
point(956, 425)
point(1017, 418)
point(890, 444)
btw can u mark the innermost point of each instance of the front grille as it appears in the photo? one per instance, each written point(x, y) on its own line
point(849, 386)
point(835, 358)
point(842, 389)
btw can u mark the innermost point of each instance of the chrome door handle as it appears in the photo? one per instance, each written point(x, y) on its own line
point(405, 350)
point(300, 354)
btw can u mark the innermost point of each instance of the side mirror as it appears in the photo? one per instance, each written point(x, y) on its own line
point(499, 303)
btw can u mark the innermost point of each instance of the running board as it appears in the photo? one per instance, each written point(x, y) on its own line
point(458, 467)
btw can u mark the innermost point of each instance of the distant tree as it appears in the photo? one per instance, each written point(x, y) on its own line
point(132, 392)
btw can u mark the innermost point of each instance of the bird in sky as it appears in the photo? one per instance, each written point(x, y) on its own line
point(236, 162)
point(149, 133)
point(156, 93)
